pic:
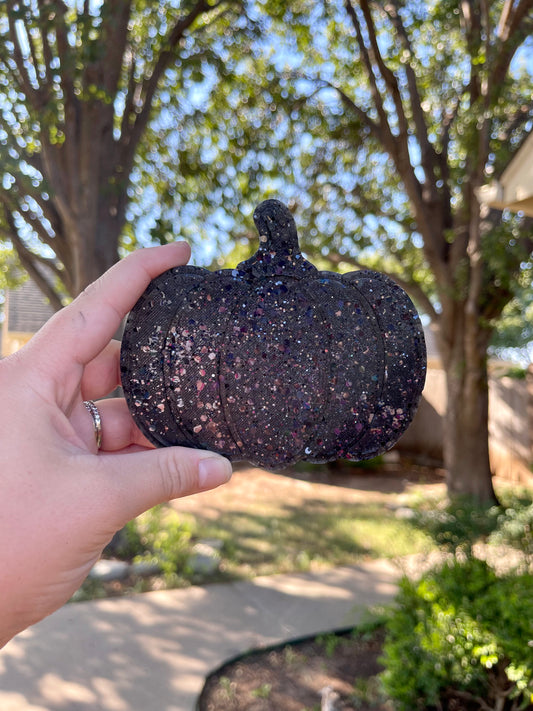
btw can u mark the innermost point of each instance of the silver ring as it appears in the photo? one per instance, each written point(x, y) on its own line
point(97, 421)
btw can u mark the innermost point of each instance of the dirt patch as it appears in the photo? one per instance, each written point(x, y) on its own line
point(297, 677)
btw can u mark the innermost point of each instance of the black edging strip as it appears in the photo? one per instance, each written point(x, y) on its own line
point(278, 646)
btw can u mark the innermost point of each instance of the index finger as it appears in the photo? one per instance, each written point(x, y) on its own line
point(82, 329)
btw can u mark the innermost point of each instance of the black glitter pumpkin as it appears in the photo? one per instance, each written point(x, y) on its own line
point(274, 361)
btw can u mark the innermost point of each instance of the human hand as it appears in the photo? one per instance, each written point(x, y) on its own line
point(61, 500)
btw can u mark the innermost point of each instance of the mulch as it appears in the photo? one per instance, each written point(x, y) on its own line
point(300, 677)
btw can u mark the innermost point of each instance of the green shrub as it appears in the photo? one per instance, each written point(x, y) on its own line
point(458, 525)
point(129, 543)
point(515, 528)
point(164, 540)
point(461, 638)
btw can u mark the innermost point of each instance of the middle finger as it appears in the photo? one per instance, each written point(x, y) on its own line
point(102, 375)
point(119, 431)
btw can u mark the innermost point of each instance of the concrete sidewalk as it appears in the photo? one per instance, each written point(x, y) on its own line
point(153, 651)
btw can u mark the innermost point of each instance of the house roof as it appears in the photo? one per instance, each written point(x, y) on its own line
point(514, 189)
point(27, 309)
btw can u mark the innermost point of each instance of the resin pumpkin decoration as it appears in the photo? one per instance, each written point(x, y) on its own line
point(274, 361)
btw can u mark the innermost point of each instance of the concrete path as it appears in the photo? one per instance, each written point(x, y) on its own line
point(152, 651)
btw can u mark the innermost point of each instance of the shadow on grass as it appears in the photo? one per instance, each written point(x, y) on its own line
point(296, 538)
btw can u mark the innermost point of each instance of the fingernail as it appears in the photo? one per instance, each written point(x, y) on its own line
point(213, 471)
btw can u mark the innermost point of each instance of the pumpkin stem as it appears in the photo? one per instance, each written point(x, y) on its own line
point(276, 227)
point(279, 252)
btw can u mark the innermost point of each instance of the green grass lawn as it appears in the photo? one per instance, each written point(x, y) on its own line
point(279, 539)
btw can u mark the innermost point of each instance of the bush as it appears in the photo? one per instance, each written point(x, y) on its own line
point(515, 529)
point(159, 537)
point(461, 638)
point(459, 524)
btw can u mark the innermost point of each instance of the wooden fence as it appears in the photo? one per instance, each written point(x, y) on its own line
point(510, 425)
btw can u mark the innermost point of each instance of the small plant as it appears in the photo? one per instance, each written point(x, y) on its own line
point(329, 641)
point(461, 633)
point(516, 372)
point(368, 691)
point(262, 692)
point(373, 619)
point(90, 590)
point(127, 543)
point(228, 687)
point(165, 540)
point(292, 657)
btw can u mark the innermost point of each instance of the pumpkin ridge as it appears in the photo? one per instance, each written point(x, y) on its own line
point(147, 417)
point(278, 421)
point(168, 361)
point(356, 425)
point(225, 341)
point(321, 420)
point(201, 293)
point(394, 365)
point(382, 371)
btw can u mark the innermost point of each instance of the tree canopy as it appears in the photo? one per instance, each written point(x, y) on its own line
point(81, 81)
point(365, 115)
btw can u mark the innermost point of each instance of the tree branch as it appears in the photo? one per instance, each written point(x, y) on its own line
point(47, 207)
point(12, 203)
point(472, 29)
point(387, 136)
point(427, 151)
point(28, 259)
point(67, 160)
point(398, 148)
point(149, 85)
point(33, 54)
point(447, 121)
point(115, 39)
point(24, 77)
point(467, 696)
point(47, 50)
point(349, 103)
point(386, 74)
point(512, 16)
point(503, 24)
point(67, 61)
point(132, 97)
point(512, 27)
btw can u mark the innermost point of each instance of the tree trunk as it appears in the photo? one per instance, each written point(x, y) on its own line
point(466, 434)
point(93, 249)
point(97, 251)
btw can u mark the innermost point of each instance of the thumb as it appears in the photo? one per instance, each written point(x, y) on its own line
point(155, 476)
